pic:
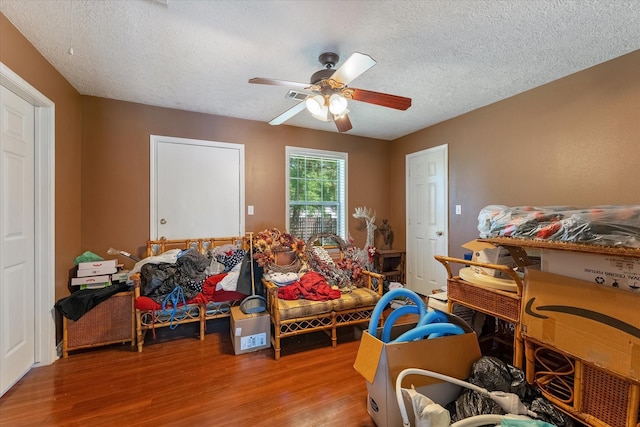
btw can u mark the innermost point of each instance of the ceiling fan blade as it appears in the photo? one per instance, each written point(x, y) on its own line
point(288, 114)
point(378, 98)
point(274, 82)
point(342, 123)
point(355, 65)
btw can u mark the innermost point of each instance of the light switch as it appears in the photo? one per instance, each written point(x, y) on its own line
point(250, 210)
point(458, 209)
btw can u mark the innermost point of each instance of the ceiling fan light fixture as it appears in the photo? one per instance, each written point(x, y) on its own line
point(337, 104)
point(315, 104)
point(341, 115)
point(323, 115)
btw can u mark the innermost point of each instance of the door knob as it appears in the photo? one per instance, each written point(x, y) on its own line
point(163, 221)
point(439, 233)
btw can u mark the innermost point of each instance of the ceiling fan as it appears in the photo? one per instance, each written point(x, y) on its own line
point(326, 95)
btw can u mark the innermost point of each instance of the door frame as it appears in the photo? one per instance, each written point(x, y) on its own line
point(44, 232)
point(445, 149)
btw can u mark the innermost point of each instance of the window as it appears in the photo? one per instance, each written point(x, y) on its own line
point(316, 192)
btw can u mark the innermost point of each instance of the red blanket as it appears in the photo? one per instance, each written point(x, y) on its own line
point(312, 286)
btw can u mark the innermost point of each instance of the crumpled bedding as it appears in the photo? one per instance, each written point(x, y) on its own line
point(311, 286)
point(168, 257)
point(600, 225)
point(159, 279)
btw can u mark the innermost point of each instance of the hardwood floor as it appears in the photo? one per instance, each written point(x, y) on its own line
point(188, 382)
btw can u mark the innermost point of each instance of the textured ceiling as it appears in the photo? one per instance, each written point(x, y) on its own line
point(450, 57)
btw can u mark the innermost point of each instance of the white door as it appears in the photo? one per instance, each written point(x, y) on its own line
point(17, 224)
point(427, 218)
point(197, 188)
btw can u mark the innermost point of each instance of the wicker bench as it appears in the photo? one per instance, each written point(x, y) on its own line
point(295, 317)
point(148, 318)
point(334, 260)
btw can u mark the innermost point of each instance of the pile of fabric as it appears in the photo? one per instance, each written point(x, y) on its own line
point(185, 276)
point(311, 286)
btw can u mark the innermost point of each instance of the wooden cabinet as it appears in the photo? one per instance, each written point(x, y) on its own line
point(109, 322)
point(585, 390)
point(390, 263)
point(594, 376)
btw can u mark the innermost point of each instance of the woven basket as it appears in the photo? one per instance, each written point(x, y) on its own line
point(285, 262)
point(109, 322)
point(503, 305)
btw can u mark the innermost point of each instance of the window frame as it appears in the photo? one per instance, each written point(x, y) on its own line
point(342, 189)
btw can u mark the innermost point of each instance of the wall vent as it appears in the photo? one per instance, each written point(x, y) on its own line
point(294, 94)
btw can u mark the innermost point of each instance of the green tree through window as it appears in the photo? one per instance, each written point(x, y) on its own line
point(316, 192)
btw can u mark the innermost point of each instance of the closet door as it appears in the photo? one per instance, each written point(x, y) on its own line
point(197, 188)
point(17, 247)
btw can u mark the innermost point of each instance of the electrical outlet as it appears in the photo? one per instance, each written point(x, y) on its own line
point(458, 209)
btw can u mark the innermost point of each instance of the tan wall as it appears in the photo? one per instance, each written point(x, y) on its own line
point(115, 168)
point(102, 162)
point(575, 141)
point(572, 141)
point(22, 58)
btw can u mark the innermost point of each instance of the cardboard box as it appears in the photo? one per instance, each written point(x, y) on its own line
point(597, 324)
point(120, 276)
point(608, 270)
point(487, 253)
point(380, 364)
point(250, 332)
point(95, 271)
point(111, 263)
point(91, 282)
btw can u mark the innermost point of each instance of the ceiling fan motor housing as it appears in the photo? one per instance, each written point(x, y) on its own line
point(321, 75)
point(329, 60)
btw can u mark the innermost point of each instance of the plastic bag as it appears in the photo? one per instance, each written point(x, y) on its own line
point(426, 412)
point(549, 413)
point(495, 375)
point(471, 403)
point(600, 225)
point(88, 256)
